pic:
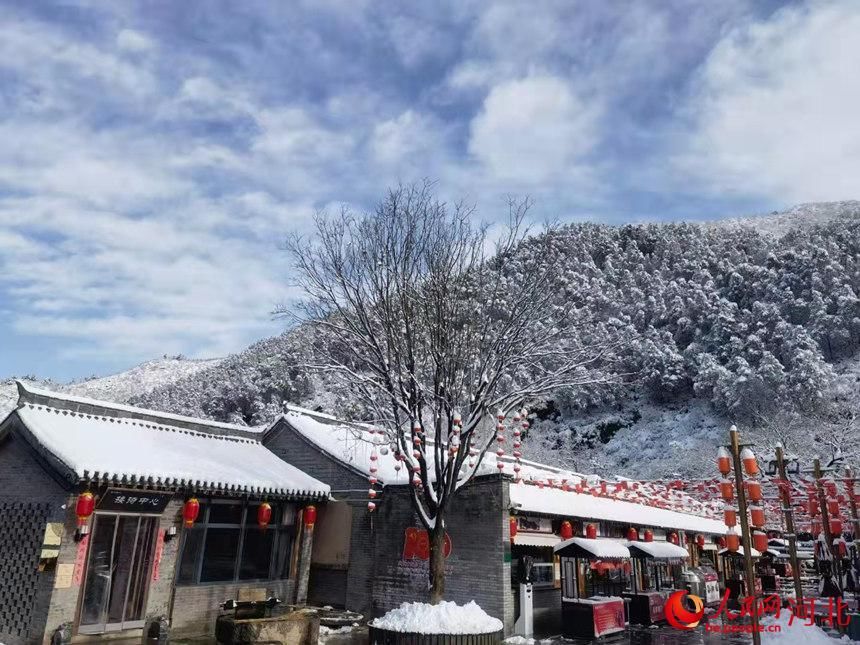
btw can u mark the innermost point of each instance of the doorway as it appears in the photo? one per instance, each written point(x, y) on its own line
point(117, 574)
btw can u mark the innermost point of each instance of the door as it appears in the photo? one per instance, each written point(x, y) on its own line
point(118, 570)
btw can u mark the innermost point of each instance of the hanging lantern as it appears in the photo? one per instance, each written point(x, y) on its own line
point(750, 464)
point(757, 516)
point(264, 515)
point(833, 506)
point(724, 461)
point(760, 541)
point(371, 493)
point(727, 490)
point(721, 542)
point(815, 528)
point(591, 531)
point(700, 540)
point(85, 506)
point(812, 506)
point(835, 526)
point(190, 511)
point(673, 538)
point(566, 530)
point(632, 534)
point(733, 541)
point(730, 516)
point(310, 516)
point(371, 506)
point(841, 547)
point(648, 535)
point(512, 525)
point(754, 491)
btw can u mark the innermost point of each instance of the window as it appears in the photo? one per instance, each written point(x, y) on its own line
point(226, 545)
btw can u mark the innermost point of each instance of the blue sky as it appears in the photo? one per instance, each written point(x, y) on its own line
point(155, 154)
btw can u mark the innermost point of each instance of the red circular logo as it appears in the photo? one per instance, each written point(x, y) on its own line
point(678, 615)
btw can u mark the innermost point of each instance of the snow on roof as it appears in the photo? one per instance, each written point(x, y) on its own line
point(80, 403)
point(123, 448)
point(598, 548)
point(740, 552)
point(554, 501)
point(657, 550)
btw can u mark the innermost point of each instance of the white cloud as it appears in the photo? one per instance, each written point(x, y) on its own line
point(774, 111)
point(533, 130)
point(134, 41)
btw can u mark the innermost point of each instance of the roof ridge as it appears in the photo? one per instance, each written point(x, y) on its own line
point(107, 409)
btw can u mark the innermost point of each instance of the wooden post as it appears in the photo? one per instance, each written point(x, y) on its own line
point(746, 535)
point(788, 515)
point(825, 524)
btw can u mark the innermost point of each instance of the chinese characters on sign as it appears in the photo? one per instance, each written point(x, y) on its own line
point(123, 501)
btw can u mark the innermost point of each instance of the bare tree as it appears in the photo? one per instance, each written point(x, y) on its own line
point(438, 332)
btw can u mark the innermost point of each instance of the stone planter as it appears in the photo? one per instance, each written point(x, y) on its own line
point(388, 637)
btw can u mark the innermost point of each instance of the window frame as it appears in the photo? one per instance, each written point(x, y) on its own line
point(280, 528)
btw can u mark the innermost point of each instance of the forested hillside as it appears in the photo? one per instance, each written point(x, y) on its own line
point(717, 324)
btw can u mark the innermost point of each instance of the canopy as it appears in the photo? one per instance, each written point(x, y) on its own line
point(740, 552)
point(659, 550)
point(536, 539)
point(597, 549)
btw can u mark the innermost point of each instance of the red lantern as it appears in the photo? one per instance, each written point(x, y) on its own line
point(648, 535)
point(835, 527)
point(750, 464)
point(512, 527)
point(733, 541)
point(760, 541)
point(816, 527)
point(730, 516)
point(757, 516)
point(632, 534)
point(591, 531)
point(842, 548)
point(727, 490)
point(190, 512)
point(833, 506)
point(754, 491)
point(812, 506)
point(264, 514)
point(85, 507)
point(724, 461)
point(310, 516)
point(700, 541)
point(566, 530)
point(721, 542)
point(673, 538)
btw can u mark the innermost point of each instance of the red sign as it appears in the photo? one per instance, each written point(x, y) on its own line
point(416, 546)
point(656, 602)
point(159, 551)
point(80, 560)
point(608, 617)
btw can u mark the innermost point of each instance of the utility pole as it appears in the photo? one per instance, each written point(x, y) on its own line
point(788, 515)
point(825, 523)
point(746, 534)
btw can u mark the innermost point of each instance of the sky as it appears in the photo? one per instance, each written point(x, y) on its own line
point(155, 155)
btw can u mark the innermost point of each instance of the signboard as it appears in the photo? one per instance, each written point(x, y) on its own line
point(159, 551)
point(712, 590)
point(133, 501)
point(534, 524)
point(608, 617)
point(656, 603)
point(416, 546)
point(81, 560)
point(64, 577)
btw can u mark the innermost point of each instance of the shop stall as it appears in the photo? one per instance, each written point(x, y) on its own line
point(592, 581)
point(656, 573)
point(733, 571)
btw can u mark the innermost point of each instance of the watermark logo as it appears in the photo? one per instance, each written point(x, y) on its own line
point(677, 613)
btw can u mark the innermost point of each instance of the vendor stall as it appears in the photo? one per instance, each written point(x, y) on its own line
point(656, 573)
point(733, 568)
point(592, 580)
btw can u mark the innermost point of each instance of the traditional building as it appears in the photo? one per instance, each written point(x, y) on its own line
point(381, 558)
point(113, 516)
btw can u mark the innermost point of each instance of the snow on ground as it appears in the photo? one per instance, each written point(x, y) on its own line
point(116, 388)
point(798, 633)
point(444, 618)
point(777, 224)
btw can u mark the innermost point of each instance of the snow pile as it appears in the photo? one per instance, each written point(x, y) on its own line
point(444, 618)
point(798, 633)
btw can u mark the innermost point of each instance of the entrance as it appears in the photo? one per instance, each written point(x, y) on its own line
point(118, 569)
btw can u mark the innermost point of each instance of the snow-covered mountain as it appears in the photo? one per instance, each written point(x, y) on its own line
point(118, 388)
point(802, 216)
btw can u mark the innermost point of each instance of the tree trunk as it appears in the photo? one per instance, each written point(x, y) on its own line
point(437, 562)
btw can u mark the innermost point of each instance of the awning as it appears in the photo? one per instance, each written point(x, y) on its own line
point(536, 539)
point(598, 549)
point(740, 552)
point(659, 550)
